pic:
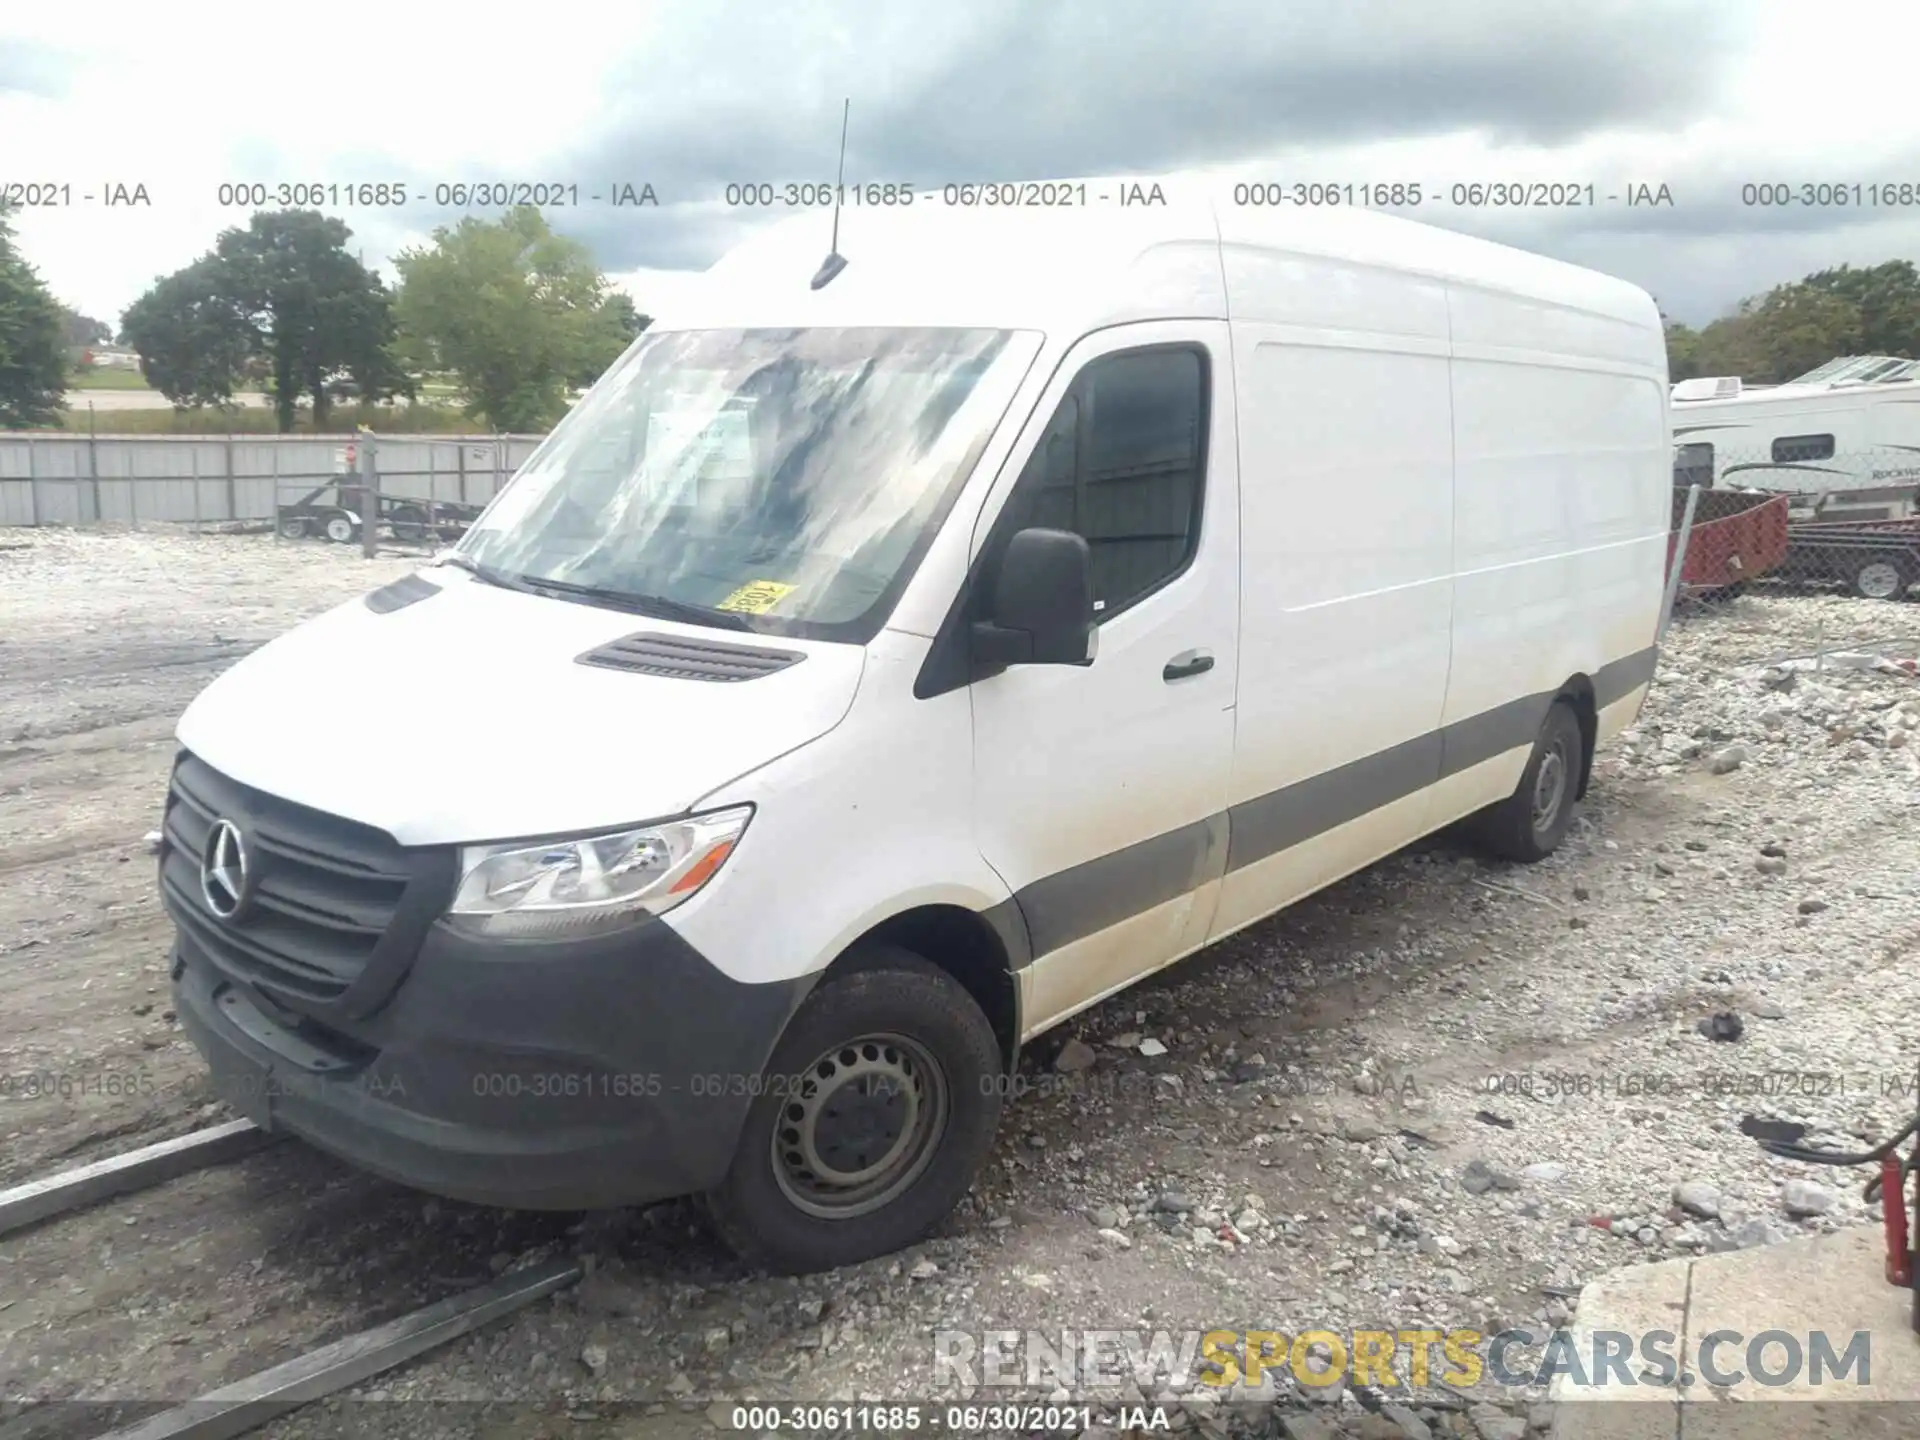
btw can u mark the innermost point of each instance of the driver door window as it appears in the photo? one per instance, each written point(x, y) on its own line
point(1122, 464)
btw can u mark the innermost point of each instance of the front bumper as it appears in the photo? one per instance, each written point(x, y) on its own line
point(553, 1076)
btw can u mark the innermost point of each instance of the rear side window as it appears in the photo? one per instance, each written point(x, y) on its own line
point(1123, 464)
point(1788, 449)
point(1693, 464)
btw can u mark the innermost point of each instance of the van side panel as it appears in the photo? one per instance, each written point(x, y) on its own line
point(1562, 487)
point(1346, 521)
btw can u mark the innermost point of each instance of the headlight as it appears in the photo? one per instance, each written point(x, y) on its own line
point(563, 888)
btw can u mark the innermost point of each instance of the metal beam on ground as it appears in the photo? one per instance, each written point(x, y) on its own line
point(246, 1404)
point(85, 1185)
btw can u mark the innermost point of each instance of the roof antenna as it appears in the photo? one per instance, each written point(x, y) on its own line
point(835, 261)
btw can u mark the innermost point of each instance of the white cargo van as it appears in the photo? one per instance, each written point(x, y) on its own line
point(868, 676)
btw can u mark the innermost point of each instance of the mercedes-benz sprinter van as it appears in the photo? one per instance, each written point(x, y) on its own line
point(888, 660)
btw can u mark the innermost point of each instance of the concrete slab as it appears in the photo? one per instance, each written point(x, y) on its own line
point(1641, 1300)
point(1783, 1342)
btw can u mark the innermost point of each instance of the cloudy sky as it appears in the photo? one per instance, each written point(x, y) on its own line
point(1703, 96)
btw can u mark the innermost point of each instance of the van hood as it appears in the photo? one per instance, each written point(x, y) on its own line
point(466, 716)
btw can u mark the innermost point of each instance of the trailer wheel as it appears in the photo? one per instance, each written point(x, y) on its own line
point(1881, 577)
point(339, 529)
point(409, 523)
point(293, 527)
point(1529, 824)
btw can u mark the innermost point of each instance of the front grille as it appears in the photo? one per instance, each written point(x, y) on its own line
point(322, 896)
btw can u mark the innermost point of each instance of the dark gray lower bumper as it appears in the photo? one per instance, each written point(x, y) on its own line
point(555, 1076)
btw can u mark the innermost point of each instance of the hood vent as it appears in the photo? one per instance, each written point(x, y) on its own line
point(677, 657)
point(401, 593)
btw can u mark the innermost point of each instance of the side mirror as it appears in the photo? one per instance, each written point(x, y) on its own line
point(1041, 610)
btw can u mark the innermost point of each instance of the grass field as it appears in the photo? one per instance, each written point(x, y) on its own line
point(105, 379)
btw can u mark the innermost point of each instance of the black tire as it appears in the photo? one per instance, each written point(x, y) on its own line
point(895, 1001)
point(1529, 824)
point(340, 529)
point(293, 527)
point(409, 523)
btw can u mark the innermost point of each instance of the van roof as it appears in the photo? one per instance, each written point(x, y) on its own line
point(1119, 255)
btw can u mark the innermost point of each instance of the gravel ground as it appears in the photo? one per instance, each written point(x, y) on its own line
point(1443, 1093)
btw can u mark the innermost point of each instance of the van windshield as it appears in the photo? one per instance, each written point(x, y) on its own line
point(778, 480)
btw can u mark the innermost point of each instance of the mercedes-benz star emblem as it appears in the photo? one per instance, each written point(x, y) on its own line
point(223, 870)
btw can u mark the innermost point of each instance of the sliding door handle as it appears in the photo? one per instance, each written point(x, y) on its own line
point(1188, 662)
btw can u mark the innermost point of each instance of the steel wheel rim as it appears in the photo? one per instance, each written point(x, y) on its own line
point(1879, 581)
point(339, 531)
point(859, 1126)
point(1549, 785)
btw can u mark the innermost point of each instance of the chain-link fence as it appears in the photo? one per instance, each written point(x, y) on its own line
point(1794, 557)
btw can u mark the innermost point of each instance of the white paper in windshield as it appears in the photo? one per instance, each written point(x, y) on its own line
point(704, 443)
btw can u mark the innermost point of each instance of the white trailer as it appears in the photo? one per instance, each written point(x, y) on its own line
point(1843, 440)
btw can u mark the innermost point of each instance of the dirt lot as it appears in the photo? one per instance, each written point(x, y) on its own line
point(1402, 1104)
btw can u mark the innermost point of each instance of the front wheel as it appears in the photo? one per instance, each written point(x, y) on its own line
point(1529, 824)
point(877, 1109)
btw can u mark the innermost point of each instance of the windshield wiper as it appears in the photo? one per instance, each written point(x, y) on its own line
point(485, 573)
point(657, 606)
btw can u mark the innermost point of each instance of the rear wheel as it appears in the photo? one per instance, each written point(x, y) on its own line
point(1881, 577)
point(877, 1109)
point(409, 523)
point(293, 527)
point(1530, 823)
point(339, 529)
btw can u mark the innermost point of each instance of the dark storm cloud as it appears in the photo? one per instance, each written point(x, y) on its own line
point(28, 67)
point(1697, 278)
point(1012, 90)
point(1727, 235)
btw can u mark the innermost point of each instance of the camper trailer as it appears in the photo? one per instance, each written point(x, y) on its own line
point(897, 652)
point(1842, 440)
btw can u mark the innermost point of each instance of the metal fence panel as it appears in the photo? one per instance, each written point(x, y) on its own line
point(69, 479)
point(17, 503)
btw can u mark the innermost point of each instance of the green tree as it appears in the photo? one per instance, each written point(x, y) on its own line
point(191, 338)
point(33, 352)
point(281, 297)
point(83, 331)
point(313, 309)
point(518, 313)
point(620, 323)
point(1726, 345)
point(1683, 348)
point(1886, 299)
point(1793, 328)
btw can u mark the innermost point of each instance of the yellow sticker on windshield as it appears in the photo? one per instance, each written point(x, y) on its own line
point(756, 597)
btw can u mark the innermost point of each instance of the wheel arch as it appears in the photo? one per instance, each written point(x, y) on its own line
point(982, 950)
point(1578, 693)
